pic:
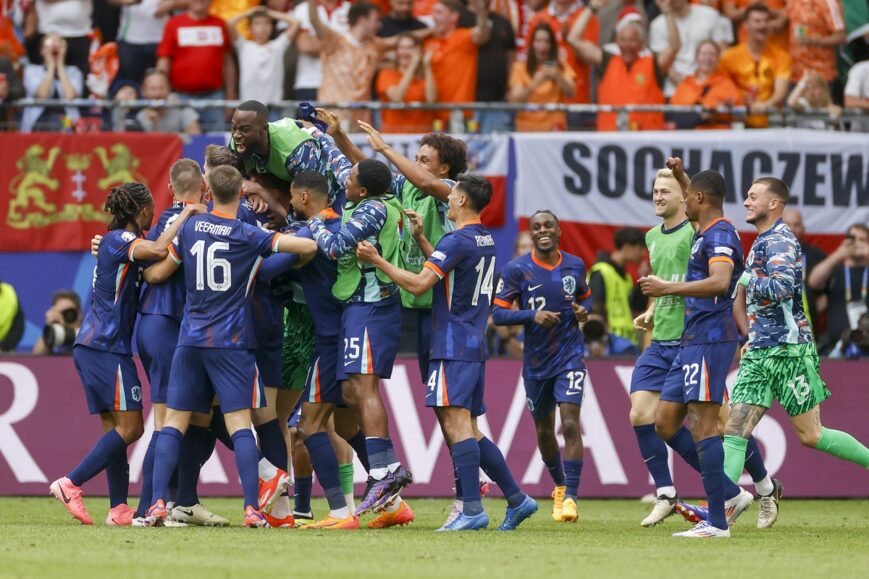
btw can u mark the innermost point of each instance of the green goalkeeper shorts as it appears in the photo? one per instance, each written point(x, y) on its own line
point(297, 347)
point(789, 374)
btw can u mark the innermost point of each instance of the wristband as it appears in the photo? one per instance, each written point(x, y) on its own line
point(744, 278)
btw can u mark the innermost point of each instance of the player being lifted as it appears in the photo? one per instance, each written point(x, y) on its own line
point(553, 296)
point(422, 187)
point(216, 341)
point(669, 251)
point(461, 270)
point(103, 354)
point(695, 384)
point(322, 393)
point(371, 318)
point(780, 360)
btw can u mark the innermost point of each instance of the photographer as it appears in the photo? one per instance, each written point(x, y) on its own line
point(62, 322)
point(600, 343)
point(855, 343)
point(844, 277)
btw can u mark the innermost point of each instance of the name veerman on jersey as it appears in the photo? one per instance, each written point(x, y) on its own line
point(212, 228)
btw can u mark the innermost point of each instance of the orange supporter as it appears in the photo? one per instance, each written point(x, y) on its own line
point(454, 64)
point(7, 37)
point(636, 85)
point(423, 7)
point(780, 38)
point(565, 52)
point(756, 79)
point(717, 90)
point(813, 19)
point(403, 121)
point(548, 92)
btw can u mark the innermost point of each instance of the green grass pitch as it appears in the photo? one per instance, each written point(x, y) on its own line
point(811, 539)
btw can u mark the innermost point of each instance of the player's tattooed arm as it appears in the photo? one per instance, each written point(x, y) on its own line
point(416, 230)
point(743, 419)
point(415, 283)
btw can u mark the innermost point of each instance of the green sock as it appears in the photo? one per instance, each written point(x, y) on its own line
point(734, 456)
point(844, 446)
point(345, 471)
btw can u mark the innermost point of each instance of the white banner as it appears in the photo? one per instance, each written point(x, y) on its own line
point(487, 154)
point(606, 178)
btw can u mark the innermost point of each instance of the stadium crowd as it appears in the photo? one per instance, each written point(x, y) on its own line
point(802, 54)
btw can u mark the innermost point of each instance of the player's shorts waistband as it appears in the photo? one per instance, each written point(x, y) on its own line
point(667, 343)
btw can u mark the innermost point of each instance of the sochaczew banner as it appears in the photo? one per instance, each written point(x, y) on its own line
point(45, 430)
point(488, 155)
point(55, 185)
point(598, 182)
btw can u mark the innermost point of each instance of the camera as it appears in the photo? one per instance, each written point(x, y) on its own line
point(60, 335)
point(594, 330)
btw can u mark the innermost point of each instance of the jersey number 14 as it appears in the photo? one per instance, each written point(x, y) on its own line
point(485, 277)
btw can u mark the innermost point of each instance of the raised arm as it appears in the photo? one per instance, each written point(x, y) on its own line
point(588, 52)
point(323, 31)
point(342, 140)
point(427, 183)
point(483, 30)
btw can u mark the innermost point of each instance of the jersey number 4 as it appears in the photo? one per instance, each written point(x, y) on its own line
point(207, 265)
point(485, 277)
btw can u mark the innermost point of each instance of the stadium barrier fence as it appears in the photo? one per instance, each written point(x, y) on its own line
point(45, 429)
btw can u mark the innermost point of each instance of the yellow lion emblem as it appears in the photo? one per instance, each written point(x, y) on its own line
point(119, 169)
point(26, 187)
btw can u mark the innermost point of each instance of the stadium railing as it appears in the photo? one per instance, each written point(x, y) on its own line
point(100, 110)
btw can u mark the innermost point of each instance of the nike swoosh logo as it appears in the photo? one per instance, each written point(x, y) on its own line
point(573, 393)
point(65, 499)
point(348, 363)
point(188, 512)
point(534, 287)
point(650, 458)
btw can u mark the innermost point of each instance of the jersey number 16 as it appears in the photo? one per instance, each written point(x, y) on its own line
point(208, 263)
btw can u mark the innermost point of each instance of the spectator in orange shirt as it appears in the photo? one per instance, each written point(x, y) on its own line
point(631, 75)
point(707, 87)
point(816, 29)
point(7, 36)
point(563, 16)
point(454, 49)
point(778, 19)
point(411, 81)
point(350, 60)
point(759, 69)
point(542, 78)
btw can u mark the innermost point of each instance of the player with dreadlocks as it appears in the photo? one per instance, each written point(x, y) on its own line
point(102, 351)
point(553, 297)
